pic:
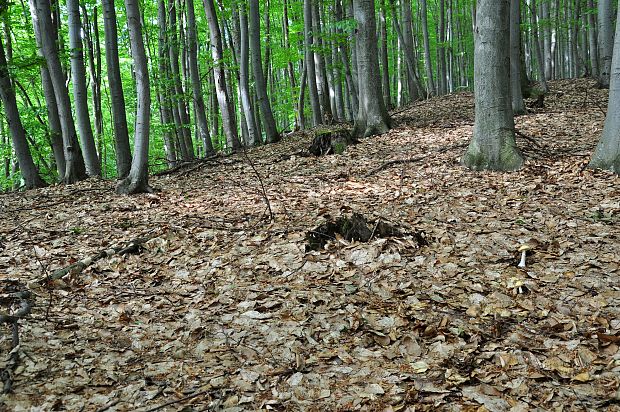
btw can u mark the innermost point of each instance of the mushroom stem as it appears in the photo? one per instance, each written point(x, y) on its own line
point(522, 262)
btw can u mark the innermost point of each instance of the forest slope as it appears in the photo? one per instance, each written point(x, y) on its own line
point(224, 309)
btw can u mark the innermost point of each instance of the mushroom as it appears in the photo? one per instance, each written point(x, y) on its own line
point(524, 248)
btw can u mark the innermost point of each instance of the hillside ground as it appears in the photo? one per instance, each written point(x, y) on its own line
point(224, 309)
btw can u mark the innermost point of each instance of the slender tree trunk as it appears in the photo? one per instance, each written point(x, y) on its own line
point(174, 45)
point(319, 63)
point(317, 114)
point(115, 86)
point(605, 41)
point(75, 169)
point(607, 153)
point(592, 39)
point(225, 104)
point(244, 77)
point(441, 50)
point(547, 40)
point(408, 52)
point(493, 145)
point(29, 171)
point(199, 102)
point(383, 42)
point(350, 80)
point(269, 123)
point(428, 64)
point(80, 94)
point(540, 62)
point(94, 66)
point(372, 117)
point(518, 106)
point(137, 180)
point(55, 129)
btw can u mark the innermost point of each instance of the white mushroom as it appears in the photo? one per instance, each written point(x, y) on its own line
point(529, 245)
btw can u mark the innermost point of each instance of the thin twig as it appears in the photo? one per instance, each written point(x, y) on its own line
point(414, 159)
point(192, 396)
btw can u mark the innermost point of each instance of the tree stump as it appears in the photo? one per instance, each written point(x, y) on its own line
point(331, 142)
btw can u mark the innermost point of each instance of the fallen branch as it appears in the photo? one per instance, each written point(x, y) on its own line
point(21, 298)
point(132, 246)
point(415, 159)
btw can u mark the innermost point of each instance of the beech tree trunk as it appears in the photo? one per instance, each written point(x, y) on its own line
point(605, 41)
point(592, 40)
point(199, 102)
point(223, 97)
point(518, 106)
point(41, 15)
point(493, 145)
point(607, 153)
point(29, 171)
point(269, 123)
point(244, 77)
point(137, 180)
point(372, 117)
point(115, 85)
point(80, 93)
point(428, 64)
point(55, 129)
point(313, 92)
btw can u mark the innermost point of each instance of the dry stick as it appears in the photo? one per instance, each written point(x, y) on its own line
point(79, 266)
point(260, 181)
point(192, 396)
point(415, 159)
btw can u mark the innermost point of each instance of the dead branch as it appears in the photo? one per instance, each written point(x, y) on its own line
point(132, 246)
point(415, 159)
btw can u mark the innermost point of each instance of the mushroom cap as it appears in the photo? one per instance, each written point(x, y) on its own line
point(529, 245)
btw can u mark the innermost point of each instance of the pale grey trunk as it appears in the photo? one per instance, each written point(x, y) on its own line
point(372, 117)
point(52, 109)
point(592, 39)
point(441, 51)
point(29, 171)
point(428, 64)
point(137, 180)
point(115, 87)
point(226, 108)
point(199, 102)
point(299, 116)
point(319, 63)
point(605, 41)
point(540, 63)
point(547, 41)
point(337, 82)
point(80, 93)
point(244, 77)
point(182, 115)
point(409, 56)
point(350, 80)
point(269, 123)
point(607, 153)
point(518, 106)
point(383, 43)
point(165, 103)
point(313, 92)
point(493, 144)
point(75, 169)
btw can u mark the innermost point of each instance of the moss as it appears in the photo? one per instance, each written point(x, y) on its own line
point(509, 159)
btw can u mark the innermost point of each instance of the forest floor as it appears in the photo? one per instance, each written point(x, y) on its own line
point(223, 309)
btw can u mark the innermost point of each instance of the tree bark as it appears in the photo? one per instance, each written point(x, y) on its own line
point(428, 64)
point(225, 104)
point(199, 102)
point(29, 171)
point(80, 94)
point(607, 153)
point(244, 77)
point(592, 39)
point(269, 123)
point(493, 145)
point(518, 106)
point(115, 86)
point(605, 41)
point(313, 92)
point(137, 180)
point(372, 117)
point(385, 73)
point(75, 169)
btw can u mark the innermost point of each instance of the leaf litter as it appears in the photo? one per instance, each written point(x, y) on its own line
point(222, 309)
